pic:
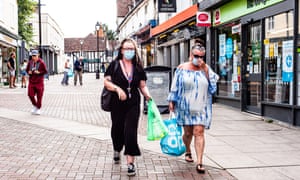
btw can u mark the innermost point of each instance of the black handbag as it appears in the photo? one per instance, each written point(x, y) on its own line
point(106, 95)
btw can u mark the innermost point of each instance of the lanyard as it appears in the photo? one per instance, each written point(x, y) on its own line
point(129, 77)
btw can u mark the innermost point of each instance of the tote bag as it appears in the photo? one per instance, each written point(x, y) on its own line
point(172, 144)
point(106, 95)
point(156, 129)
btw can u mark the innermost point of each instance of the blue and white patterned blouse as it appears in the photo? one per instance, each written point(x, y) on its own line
point(192, 94)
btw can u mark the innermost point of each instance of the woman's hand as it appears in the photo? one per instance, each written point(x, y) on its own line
point(171, 107)
point(122, 95)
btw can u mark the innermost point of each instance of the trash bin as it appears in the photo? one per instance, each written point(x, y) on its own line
point(158, 83)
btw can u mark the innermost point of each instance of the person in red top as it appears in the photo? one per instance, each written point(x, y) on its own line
point(36, 69)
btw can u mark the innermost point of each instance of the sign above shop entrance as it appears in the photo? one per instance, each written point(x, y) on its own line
point(203, 18)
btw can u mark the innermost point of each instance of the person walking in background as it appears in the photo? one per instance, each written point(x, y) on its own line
point(67, 68)
point(23, 73)
point(11, 65)
point(190, 98)
point(125, 76)
point(36, 69)
point(78, 70)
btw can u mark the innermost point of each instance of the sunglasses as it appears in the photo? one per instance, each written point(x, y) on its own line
point(197, 56)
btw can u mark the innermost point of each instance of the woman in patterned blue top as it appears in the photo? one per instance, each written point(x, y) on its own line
point(190, 98)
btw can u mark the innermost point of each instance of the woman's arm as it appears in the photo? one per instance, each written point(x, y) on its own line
point(144, 90)
point(115, 88)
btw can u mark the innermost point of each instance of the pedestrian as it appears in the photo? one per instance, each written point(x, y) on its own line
point(126, 81)
point(78, 70)
point(67, 68)
point(23, 73)
point(190, 98)
point(36, 69)
point(11, 65)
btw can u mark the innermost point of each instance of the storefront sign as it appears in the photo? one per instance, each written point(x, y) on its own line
point(203, 19)
point(287, 61)
point(217, 16)
point(166, 5)
point(253, 3)
point(236, 29)
point(236, 9)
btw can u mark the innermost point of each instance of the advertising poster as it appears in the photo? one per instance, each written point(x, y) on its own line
point(287, 61)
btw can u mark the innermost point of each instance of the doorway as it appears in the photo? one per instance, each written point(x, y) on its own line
point(253, 73)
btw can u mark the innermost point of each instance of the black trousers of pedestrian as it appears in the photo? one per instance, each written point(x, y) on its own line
point(124, 129)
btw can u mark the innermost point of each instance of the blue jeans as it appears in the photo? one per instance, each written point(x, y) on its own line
point(65, 79)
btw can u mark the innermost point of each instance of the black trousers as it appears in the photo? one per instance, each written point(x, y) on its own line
point(124, 130)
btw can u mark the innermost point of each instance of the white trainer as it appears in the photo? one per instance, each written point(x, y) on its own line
point(38, 112)
point(33, 110)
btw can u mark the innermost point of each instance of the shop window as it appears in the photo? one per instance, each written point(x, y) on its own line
point(278, 48)
point(270, 23)
point(229, 60)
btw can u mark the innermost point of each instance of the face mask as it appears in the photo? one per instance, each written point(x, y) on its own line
point(195, 61)
point(129, 54)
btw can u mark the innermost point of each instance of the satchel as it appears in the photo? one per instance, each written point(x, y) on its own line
point(106, 95)
point(172, 144)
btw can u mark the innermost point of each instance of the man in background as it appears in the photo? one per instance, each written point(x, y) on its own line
point(78, 69)
point(11, 64)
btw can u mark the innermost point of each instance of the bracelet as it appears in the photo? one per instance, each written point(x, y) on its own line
point(115, 88)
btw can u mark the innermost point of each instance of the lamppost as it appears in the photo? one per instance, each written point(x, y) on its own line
point(81, 42)
point(97, 26)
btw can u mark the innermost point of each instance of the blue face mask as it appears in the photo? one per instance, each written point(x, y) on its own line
point(195, 61)
point(129, 54)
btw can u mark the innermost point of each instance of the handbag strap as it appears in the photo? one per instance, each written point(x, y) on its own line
point(115, 69)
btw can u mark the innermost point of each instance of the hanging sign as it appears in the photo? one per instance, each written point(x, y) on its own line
point(203, 19)
point(217, 15)
point(166, 6)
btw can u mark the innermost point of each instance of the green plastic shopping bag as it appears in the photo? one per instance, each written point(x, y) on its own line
point(156, 128)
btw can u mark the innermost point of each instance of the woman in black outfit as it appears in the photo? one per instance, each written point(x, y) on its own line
point(125, 76)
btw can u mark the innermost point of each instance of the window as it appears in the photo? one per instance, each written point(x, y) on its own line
point(229, 60)
point(278, 48)
point(270, 22)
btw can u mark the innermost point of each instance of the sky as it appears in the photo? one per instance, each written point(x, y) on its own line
point(77, 18)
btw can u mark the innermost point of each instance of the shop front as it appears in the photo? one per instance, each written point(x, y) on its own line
point(256, 44)
point(173, 38)
point(8, 44)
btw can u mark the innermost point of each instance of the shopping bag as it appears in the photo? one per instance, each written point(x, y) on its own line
point(156, 129)
point(70, 73)
point(172, 144)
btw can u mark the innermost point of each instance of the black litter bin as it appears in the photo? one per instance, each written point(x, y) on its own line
point(158, 83)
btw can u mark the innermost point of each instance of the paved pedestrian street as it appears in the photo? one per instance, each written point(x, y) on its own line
point(70, 139)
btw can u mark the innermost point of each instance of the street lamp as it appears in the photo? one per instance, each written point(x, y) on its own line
point(97, 26)
point(81, 42)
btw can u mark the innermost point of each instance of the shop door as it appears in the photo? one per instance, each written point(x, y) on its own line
point(253, 69)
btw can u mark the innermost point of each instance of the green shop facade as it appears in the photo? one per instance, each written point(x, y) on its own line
point(254, 47)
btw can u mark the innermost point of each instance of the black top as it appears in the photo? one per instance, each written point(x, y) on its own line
point(12, 62)
point(120, 80)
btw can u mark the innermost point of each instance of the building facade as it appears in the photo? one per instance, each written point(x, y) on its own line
point(255, 50)
point(52, 42)
point(9, 39)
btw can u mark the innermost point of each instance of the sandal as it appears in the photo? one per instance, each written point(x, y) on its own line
point(188, 157)
point(200, 169)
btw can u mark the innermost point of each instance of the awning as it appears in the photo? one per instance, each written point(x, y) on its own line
point(178, 18)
